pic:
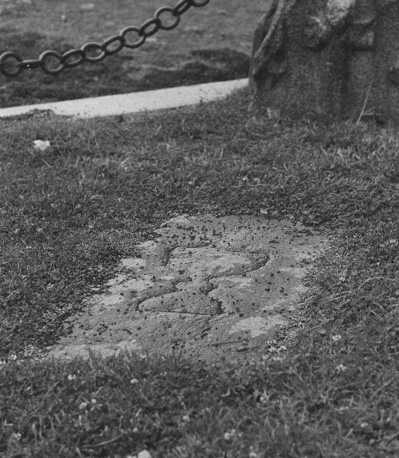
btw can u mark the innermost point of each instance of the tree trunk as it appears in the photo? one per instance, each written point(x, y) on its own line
point(338, 58)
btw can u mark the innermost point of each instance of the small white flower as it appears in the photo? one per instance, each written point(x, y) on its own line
point(340, 368)
point(186, 418)
point(41, 145)
point(277, 359)
point(134, 381)
point(252, 453)
point(343, 408)
point(264, 398)
point(144, 454)
point(228, 435)
point(71, 377)
point(16, 437)
point(87, 6)
point(12, 357)
point(336, 338)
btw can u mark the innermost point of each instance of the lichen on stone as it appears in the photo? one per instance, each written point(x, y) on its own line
point(338, 11)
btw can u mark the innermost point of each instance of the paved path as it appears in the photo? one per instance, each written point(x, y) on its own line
point(113, 105)
point(208, 287)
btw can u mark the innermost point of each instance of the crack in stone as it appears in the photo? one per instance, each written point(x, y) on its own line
point(176, 312)
point(205, 286)
point(138, 302)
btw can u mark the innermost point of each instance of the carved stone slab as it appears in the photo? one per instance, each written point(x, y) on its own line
point(205, 286)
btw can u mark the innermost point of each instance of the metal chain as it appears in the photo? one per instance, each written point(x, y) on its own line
point(53, 62)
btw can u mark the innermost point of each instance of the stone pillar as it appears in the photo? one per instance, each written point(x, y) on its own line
point(333, 58)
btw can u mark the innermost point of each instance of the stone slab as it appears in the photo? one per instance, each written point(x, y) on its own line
point(135, 102)
point(205, 286)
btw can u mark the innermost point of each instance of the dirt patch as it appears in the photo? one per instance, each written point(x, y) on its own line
point(208, 287)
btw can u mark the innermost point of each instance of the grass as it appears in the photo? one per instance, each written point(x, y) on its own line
point(70, 213)
point(224, 28)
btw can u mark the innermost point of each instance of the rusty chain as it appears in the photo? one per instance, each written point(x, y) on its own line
point(53, 62)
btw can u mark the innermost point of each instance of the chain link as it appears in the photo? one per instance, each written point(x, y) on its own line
point(52, 62)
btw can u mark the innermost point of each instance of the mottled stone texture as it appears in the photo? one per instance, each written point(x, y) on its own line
point(209, 287)
point(338, 58)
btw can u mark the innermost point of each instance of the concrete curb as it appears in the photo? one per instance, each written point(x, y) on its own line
point(134, 102)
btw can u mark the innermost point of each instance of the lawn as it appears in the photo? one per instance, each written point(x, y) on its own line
point(70, 213)
point(211, 43)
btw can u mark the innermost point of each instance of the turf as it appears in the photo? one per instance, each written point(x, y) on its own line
point(67, 216)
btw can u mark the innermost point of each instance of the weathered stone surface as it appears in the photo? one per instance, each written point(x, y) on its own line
point(206, 286)
point(327, 57)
